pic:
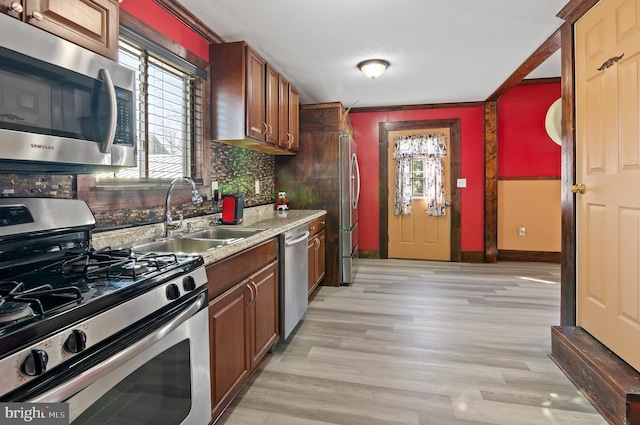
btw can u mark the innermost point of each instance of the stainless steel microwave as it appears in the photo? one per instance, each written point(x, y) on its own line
point(63, 108)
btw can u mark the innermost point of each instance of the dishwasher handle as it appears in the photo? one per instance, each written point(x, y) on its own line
point(304, 237)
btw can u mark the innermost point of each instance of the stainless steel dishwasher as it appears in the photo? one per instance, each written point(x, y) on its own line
point(294, 291)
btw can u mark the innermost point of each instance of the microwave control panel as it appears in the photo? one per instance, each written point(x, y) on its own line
point(124, 130)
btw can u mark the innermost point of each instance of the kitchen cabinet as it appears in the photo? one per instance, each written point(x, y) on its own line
point(262, 99)
point(243, 318)
point(229, 345)
point(317, 252)
point(92, 24)
point(289, 115)
point(247, 101)
point(263, 312)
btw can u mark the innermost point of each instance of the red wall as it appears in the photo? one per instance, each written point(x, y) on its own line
point(162, 21)
point(524, 148)
point(366, 129)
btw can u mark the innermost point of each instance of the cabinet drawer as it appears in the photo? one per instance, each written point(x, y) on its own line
point(317, 225)
point(223, 274)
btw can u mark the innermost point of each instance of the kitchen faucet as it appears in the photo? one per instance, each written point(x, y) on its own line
point(169, 225)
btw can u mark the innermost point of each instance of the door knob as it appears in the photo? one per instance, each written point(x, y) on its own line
point(579, 188)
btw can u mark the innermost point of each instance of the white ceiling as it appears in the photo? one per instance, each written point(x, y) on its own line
point(440, 50)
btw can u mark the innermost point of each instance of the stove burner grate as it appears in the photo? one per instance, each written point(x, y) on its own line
point(108, 263)
point(16, 302)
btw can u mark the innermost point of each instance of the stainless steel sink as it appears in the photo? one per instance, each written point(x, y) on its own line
point(190, 246)
point(224, 233)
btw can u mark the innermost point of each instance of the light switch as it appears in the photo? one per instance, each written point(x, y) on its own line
point(522, 231)
point(462, 183)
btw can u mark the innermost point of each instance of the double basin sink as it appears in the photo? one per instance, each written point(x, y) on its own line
point(198, 241)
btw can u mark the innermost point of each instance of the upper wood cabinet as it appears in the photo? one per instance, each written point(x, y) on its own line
point(247, 101)
point(92, 24)
point(289, 122)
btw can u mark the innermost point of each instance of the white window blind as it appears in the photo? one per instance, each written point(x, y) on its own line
point(168, 119)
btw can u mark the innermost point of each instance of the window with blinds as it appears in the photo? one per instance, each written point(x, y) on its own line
point(168, 122)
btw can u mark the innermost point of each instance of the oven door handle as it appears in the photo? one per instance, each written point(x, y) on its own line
point(80, 382)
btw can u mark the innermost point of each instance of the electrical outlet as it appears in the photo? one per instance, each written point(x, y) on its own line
point(257, 187)
point(522, 231)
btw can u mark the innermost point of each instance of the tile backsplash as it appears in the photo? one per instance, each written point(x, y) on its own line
point(38, 185)
point(235, 169)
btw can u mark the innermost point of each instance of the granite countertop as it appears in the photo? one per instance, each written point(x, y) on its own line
point(275, 225)
point(259, 218)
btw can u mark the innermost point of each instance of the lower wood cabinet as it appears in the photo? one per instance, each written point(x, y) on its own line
point(263, 312)
point(229, 340)
point(243, 319)
point(317, 252)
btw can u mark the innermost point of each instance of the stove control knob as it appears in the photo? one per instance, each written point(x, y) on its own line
point(76, 342)
point(173, 292)
point(189, 283)
point(36, 363)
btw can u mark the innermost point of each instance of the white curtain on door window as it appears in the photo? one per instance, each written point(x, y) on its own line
point(433, 147)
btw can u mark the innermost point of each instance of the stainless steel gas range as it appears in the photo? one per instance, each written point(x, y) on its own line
point(122, 337)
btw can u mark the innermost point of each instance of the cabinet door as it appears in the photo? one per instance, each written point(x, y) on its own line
point(271, 111)
point(255, 95)
point(229, 345)
point(321, 254)
point(283, 112)
point(289, 115)
point(263, 312)
point(313, 260)
point(294, 118)
point(92, 24)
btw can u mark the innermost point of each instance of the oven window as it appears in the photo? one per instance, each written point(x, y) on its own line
point(159, 392)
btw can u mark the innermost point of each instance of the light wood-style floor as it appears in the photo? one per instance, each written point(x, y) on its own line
point(418, 343)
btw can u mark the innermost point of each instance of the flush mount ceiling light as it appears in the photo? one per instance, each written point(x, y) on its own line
point(373, 68)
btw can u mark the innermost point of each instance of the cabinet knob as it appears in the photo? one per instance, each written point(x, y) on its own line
point(16, 7)
point(36, 15)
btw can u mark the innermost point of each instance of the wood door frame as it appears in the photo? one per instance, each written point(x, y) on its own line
point(571, 13)
point(454, 173)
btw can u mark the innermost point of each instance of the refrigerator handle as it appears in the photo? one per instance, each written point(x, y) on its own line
point(356, 199)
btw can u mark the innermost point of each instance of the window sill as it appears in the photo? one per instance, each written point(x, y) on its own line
point(138, 185)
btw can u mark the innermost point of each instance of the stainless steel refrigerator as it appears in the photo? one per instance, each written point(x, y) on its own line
point(324, 175)
point(349, 197)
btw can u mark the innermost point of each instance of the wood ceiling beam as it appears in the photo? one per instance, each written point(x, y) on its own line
point(549, 47)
